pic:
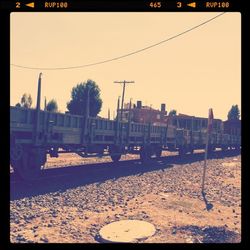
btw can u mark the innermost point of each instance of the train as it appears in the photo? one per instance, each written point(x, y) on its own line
point(36, 133)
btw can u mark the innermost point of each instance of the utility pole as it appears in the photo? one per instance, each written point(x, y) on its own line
point(123, 92)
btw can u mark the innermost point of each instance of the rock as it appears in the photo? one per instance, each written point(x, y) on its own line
point(196, 240)
point(118, 193)
point(44, 239)
point(189, 239)
point(16, 221)
point(20, 237)
point(174, 230)
point(29, 241)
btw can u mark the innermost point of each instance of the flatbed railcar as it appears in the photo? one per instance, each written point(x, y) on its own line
point(34, 133)
point(30, 142)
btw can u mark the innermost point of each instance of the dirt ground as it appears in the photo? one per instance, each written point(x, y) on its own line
point(169, 198)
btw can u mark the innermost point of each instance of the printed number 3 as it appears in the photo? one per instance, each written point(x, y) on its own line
point(179, 4)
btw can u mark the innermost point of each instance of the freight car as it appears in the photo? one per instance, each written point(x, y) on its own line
point(34, 133)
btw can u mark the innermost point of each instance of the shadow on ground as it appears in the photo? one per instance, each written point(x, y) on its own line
point(210, 234)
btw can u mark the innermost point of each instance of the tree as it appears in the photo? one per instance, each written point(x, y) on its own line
point(52, 106)
point(172, 112)
point(234, 113)
point(78, 102)
point(26, 101)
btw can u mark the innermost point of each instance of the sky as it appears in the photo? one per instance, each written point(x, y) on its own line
point(196, 71)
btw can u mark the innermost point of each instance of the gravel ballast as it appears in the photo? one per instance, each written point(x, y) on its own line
point(166, 195)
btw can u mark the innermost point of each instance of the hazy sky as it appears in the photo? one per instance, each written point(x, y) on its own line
point(191, 73)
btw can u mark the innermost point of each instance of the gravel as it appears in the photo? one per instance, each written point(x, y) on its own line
point(100, 197)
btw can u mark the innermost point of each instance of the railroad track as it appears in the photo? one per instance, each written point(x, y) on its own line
point(60, 171)
point(62, 178)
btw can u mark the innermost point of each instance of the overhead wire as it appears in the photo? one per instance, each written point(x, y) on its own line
point(125, 55)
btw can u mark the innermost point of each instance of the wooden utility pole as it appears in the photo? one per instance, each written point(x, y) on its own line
point(123, 92)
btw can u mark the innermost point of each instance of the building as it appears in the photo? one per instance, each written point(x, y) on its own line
point(144, 114)
point(194, 123)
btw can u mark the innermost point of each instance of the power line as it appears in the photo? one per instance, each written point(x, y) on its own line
point(126, 55)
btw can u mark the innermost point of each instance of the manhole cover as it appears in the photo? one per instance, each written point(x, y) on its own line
point(126, 231)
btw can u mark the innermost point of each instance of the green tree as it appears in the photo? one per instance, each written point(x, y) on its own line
point(234, 113)
point(52, 106)
point(78, 102)
point(26, 101)
point(172, 112)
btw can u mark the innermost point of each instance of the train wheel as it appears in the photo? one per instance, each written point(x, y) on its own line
point(145, 154)
point(117, 155)
point(158, 152)
point(210, 150)
point(16, 152)
point(28, 167)
point(116, 158)
point(191, 150)
point(182, 151)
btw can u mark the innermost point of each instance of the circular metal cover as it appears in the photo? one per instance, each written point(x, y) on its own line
point(126, 231)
